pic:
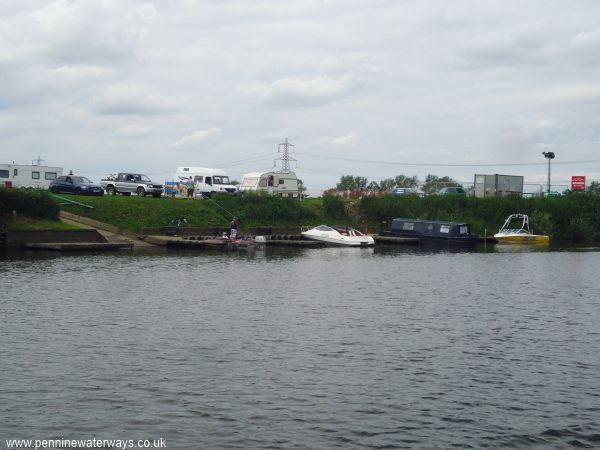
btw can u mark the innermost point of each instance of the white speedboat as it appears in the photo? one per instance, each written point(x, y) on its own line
point(520, 235)
point(337, 236)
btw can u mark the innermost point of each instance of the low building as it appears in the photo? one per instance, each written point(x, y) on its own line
point(498, 185)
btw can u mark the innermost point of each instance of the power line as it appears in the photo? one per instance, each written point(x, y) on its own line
point(396, 163)
point(242, 161)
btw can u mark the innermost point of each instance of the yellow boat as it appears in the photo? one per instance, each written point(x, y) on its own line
point(521, 235)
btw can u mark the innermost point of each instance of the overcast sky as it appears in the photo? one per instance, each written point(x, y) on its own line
point(374, 88)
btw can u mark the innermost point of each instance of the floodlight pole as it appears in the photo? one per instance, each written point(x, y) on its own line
point(550, 156)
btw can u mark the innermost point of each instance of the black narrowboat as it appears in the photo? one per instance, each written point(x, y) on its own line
point(432, 231)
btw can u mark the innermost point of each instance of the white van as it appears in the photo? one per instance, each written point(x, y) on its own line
point(278, 183)
point(207, 181)
point(20, 175)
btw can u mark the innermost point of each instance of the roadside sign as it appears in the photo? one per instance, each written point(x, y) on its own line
point(578, 183)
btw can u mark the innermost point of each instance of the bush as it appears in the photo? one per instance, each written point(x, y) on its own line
point(334, 207)
point(35, 203)
point(256, 209)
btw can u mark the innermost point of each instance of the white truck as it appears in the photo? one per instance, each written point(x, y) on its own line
point(128, 183)
point(207, 181)
point(34, 176)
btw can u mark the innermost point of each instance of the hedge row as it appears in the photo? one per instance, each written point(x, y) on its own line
point(262, 209)
point(35, 203)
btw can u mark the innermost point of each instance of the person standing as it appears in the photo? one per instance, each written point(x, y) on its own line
point(189, 184)
point(233, 229)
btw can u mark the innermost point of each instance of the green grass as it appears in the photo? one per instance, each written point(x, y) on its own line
point(134, 213)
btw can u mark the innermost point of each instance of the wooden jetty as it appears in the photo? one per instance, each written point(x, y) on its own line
point(215, 243)
point(77, 246)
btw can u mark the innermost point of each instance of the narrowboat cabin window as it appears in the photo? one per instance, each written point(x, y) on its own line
point(50, 175)
point(35, 175)
point(408, 226)
point(464, 229)
point(445, 229)
point(15, 172)
point(4, 173)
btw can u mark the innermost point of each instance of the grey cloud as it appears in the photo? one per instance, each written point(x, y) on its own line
point(104, 33)
point(131, 98)
point(309, 92)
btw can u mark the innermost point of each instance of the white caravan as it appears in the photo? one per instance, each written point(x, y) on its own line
point(278, 183)
point(33, 176)
point(207, 181)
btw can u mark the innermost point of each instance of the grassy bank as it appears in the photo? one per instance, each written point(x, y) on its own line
point(574, 217)
point(134, 213)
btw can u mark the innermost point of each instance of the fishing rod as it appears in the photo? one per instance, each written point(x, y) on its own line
point(208, 197)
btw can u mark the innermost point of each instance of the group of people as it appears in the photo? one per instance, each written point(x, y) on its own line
point(187, 187)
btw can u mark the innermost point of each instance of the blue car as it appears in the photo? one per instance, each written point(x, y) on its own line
point(408, 191)
point(71, 184)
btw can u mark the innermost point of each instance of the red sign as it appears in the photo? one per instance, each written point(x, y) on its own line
point(578, 183)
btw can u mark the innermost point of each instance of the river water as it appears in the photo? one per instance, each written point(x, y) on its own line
point(393, 347)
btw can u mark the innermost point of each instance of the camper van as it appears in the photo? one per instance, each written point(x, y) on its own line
point(277, 183)
point(207, 181)
point(33, 176)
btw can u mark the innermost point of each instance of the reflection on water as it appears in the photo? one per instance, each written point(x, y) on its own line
point(391, 347)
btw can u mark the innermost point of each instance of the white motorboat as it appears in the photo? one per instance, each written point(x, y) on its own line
point(520, 235)
point(338, 236)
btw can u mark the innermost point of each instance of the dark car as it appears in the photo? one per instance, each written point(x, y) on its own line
point(71, 184)
point(452, 191)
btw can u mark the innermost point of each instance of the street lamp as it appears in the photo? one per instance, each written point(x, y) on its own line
point(550, 156)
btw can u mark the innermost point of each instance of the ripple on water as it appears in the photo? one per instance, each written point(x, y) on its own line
point(309, 349)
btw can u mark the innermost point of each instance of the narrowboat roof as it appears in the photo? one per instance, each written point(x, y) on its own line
point(437, 222)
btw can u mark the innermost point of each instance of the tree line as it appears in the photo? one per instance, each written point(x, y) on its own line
point(431, 184)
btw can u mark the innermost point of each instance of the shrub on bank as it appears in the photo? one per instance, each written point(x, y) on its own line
point(334, 207)
point(256, 209)
point(35, 203)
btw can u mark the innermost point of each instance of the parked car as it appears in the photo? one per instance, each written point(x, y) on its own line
point(71, 184)
point(408, 191)
point(127, 183)
point(452, 191)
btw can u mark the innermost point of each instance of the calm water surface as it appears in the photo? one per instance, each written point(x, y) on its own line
point(312, 349)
